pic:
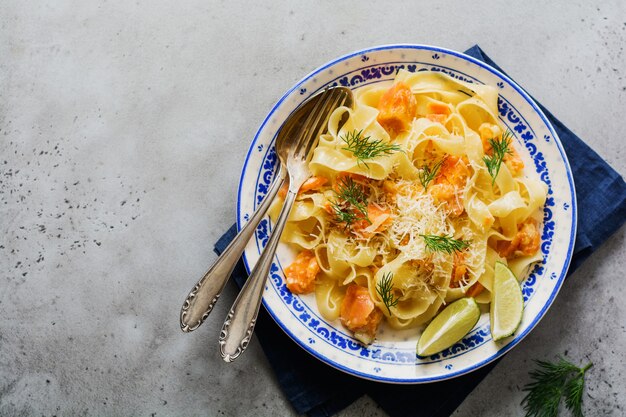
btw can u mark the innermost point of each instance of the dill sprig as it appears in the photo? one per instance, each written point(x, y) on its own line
point(384, 288)
point(363, 148)
point(574, 393)
point(444, 243)
point(351, 204)
point(427, 174)
point(344, 214)
point(352, 193)
point(551, 382)
point(500, 149)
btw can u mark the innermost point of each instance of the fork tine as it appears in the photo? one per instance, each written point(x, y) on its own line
point(311, 129)
point(339, 100)
point(312, 119)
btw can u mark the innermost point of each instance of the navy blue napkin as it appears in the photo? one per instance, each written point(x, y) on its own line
point(318, 390)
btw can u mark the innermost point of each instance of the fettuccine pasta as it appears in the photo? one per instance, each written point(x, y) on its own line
point(415, 193)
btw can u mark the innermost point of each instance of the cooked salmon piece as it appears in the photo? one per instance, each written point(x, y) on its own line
point(489, 131)
point(512, 159)
point(360, 314)
point(282, 193)
point(438, 112)
point(474, 290)
point(459, 270)
point(300, 275)
point(397, 108)
point(439, 108)
point(526, 241)
point(450, 183)
point(313, 183)
point(454, 170)
point(379, 220)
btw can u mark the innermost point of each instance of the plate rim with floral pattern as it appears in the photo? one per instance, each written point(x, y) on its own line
point(392, 358)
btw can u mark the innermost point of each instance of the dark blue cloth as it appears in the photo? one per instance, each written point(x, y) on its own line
point(318, 390)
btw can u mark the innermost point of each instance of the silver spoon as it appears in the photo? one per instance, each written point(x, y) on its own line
point(202, 298)
point(294, 153)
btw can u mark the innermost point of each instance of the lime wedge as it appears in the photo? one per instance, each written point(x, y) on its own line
point(507, 303)
point(449, 326)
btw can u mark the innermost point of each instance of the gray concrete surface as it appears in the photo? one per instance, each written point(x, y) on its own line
point(123, 127)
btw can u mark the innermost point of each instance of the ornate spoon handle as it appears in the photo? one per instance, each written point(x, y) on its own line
point(239, 325)
point(204, 295)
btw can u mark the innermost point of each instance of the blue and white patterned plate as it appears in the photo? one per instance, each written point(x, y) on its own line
point(392, 357)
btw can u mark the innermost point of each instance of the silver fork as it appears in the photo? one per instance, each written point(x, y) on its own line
point(239, 324)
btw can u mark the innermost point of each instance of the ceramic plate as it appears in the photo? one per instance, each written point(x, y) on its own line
point(392, 357)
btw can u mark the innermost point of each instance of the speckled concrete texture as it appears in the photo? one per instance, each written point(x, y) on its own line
point(123, 128)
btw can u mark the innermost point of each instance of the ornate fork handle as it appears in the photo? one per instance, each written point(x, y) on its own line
point(239, 325)
point(206, 292)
